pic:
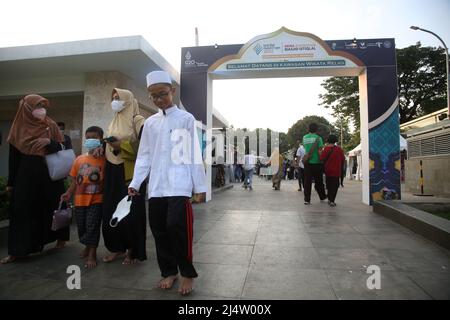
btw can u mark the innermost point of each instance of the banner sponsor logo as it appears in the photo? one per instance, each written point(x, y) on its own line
point(258, 48)
point(360, 45)
point(272, 48)
point(351, 45)
point(284, 50)
point(292, 47)
point(189, 62)
point(375, 44)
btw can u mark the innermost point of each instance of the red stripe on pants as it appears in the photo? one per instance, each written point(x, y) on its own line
point(189, 218)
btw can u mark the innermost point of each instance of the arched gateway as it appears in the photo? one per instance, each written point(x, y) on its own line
point(286, 53)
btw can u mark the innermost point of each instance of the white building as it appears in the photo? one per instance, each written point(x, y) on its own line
point(78, 77)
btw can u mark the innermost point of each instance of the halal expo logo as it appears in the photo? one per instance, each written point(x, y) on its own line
point(258, 48)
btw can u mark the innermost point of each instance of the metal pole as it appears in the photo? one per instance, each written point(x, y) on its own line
point(196, 37)
point(448, 83)
point(446, 65)
point(421, 182)
point(421, 178)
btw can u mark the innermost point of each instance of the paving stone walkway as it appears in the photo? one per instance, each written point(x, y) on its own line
point(260, 244)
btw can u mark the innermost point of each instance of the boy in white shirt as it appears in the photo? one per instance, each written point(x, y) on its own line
point(169, 154)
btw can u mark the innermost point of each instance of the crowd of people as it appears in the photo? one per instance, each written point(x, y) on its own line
point(313, 159)
point(133, 160)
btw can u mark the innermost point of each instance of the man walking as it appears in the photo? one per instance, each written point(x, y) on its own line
point(312, 143)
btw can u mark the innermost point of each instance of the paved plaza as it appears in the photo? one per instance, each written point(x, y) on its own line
point(259, 244)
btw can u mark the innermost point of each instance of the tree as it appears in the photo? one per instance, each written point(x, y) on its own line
point(284, 143)
point(349, 140)
point(421, 85)
point(342, 97)
point(421, 80)
point(300, 128)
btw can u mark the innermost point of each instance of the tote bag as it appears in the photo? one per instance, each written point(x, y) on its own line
point(59, 163)
point(61, 218)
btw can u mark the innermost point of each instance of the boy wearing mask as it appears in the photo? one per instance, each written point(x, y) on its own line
point(87, 182)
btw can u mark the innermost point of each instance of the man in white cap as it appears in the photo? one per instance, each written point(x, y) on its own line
point(173, 179)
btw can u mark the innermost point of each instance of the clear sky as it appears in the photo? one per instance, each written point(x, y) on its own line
point(169, 25)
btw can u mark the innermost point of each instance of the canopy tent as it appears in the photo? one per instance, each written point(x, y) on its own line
point(357, 149)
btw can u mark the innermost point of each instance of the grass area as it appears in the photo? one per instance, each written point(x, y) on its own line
point(438, 209)
point(440, 213)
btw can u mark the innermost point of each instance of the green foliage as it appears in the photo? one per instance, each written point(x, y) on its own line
point(421, 81)
point(300, 128)
point(421, 86)
point(346, 139)
point(342, 97)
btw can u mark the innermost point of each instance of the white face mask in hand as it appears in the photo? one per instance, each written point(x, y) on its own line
point(122, 210)
point(117, 105)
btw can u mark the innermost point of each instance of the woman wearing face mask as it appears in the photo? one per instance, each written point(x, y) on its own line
point(34, 196)
point(128, 237)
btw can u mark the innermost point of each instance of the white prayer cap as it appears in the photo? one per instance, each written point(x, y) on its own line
point(155, 77)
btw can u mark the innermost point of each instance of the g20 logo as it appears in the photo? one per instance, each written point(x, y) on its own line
point(189, 62)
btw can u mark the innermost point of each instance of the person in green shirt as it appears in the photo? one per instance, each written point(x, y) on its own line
point(313, 167)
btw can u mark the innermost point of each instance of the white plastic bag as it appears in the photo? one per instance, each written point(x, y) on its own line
point(59, 163)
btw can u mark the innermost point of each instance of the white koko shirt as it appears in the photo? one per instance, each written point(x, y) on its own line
point(169, 153)
point(300, 153)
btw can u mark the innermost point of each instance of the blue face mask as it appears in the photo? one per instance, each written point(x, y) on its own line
point(92, 143)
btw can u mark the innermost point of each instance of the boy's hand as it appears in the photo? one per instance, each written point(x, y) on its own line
point(65, 197)
point(98, 152)
point(133, 192)
point(199, 197)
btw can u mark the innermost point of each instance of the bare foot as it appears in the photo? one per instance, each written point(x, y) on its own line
point(84, 253)
point(8, 259)
point(111, 257)
point(167, 283)
point(128, 260)
point(60, 244)
point(91, 261)
point(186, 286)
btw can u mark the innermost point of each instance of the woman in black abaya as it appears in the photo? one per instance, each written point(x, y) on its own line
point(34, 196)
